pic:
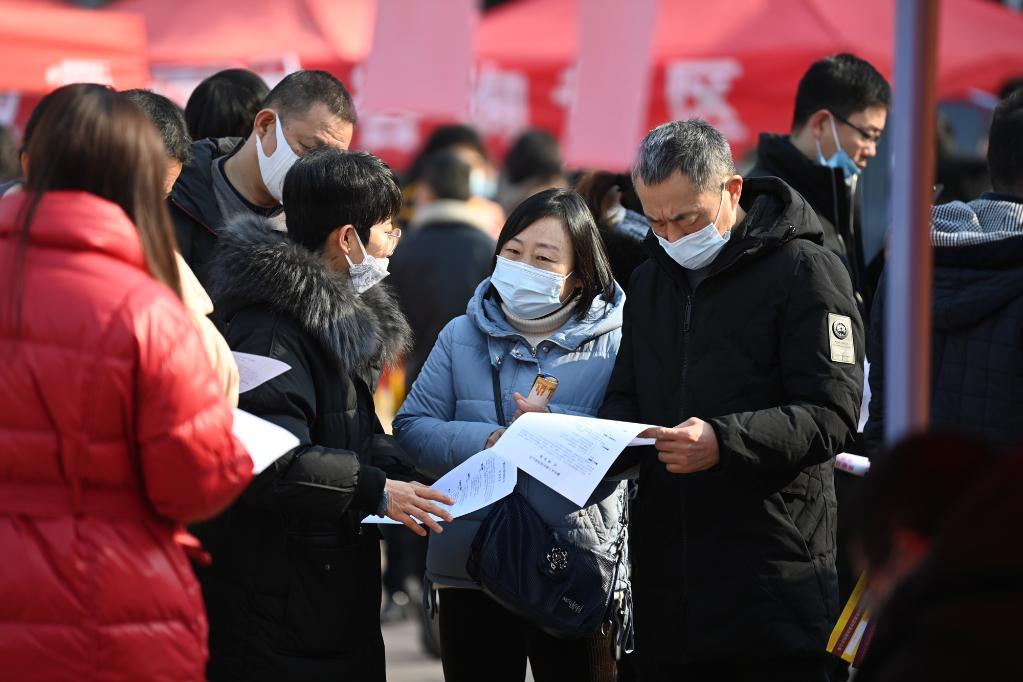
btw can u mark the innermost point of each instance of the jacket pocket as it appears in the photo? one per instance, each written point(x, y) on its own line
point(333, 595)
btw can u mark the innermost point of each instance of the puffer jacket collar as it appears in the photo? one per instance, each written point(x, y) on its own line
point(74, 221)
point(257, 264)
point(603, 316)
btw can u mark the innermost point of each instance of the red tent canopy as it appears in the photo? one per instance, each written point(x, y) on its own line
point(739, 70)
point(43, 46)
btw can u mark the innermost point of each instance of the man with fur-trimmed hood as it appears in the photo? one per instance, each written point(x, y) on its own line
point(294, 588)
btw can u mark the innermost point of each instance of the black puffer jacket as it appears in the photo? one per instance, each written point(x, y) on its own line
point(738, 562)
point(294, 589)
point(197, 218)
point(825, 189)
point(977, 325)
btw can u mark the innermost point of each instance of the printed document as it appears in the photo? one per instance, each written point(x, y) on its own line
point(567, 453)
point(254, 370)
point(477, 482)
point(265, 441)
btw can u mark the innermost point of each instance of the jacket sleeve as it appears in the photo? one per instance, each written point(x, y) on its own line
point(312, 481)
point(426, 425)
point(822, 396)
point(873, 432)
point(192, 466)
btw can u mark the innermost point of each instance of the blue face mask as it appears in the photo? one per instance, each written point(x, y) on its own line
point(840, 159)
point(699, 249)
point(528, 292)
point(482, 185)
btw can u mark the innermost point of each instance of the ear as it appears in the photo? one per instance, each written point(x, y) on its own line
point(264, 120)
point(23, 158)
point(818, 122)
point(345, 239)
point(734, 187)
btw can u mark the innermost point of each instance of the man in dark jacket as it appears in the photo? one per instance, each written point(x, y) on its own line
point(446, 255)
point(294, 589)
point(841, 108)
point(977, 324)
point(232, 176)
point(741, 338)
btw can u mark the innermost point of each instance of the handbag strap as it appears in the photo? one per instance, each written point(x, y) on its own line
point(495, 373)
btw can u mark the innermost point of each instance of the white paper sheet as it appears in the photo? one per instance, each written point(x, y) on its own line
point(254, 370)
point(265, 442)
point(569, 454)
point(480, 480)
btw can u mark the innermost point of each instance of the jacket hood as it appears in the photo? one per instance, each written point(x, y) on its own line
point(193, 192)
point(978, 260)
point(257, 264)
point(485, 312)
point(775, 214)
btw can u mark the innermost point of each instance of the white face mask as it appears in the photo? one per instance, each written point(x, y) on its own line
point(528, 292)
point(370, 272)
point(698, 249)
point(273, 168)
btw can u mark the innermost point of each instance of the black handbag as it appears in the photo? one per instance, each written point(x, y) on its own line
point(519, 561)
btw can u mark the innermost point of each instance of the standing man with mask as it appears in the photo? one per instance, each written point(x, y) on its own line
point(841, 109)
point(234, 176)
point(742, 340)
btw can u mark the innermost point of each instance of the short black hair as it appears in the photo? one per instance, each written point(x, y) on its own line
point(168, 119)
point(1005, 145)
point(843, 84)
point(446, 137)
point(535, 155)
point(592, 267)
point(1010, 86)
point(225, 104)
point(300, 91)
point(447, 175)
point(329, 188)
point(913, 487)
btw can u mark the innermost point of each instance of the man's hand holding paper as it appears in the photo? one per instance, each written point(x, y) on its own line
point(690, 447)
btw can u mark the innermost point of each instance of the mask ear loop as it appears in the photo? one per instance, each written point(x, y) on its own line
point(361, 248)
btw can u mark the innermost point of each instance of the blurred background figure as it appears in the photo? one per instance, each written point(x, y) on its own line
point(114, 432)
point(170, 123)
point(10, 169)
point(977, 324)
point(225, 104)
point(618, 213)
point(944, 576)
point(467, 144)
point(533, 164)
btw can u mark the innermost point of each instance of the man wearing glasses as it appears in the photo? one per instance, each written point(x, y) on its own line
point(841, 109)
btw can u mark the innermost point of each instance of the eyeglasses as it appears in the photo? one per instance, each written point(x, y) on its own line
point(394, 234)
point(869, 137)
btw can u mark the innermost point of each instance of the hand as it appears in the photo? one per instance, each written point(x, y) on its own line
point(687, 448)
point(526, 407)
point(407, 502)
point(494, 437)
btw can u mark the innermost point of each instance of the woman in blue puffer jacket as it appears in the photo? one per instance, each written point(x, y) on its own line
point(551, 306)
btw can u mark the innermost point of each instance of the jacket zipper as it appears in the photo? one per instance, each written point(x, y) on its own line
point(686, 326)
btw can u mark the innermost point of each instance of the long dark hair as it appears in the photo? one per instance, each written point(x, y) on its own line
point(595, 189)
point(592, 268)
point(92, 139)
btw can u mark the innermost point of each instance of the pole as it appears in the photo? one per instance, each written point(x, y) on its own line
point(908, 307)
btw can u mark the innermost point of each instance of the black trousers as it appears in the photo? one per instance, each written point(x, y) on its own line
point(782, 670)
point(481, 640)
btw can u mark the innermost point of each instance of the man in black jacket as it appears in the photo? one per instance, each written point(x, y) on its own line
point(841, 109)
point(234, 176)
point(977, 322)
point(741, 338)
point(294, 589)
point(446, 255)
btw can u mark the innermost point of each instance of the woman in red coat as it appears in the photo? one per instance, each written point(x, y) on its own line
point(113, 429)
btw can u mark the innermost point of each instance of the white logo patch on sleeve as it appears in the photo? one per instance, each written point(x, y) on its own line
point(840, 335)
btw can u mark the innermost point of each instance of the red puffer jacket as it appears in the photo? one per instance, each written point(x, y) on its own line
point(113, 433)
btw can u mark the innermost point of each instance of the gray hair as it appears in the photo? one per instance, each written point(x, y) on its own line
point(693, 147)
